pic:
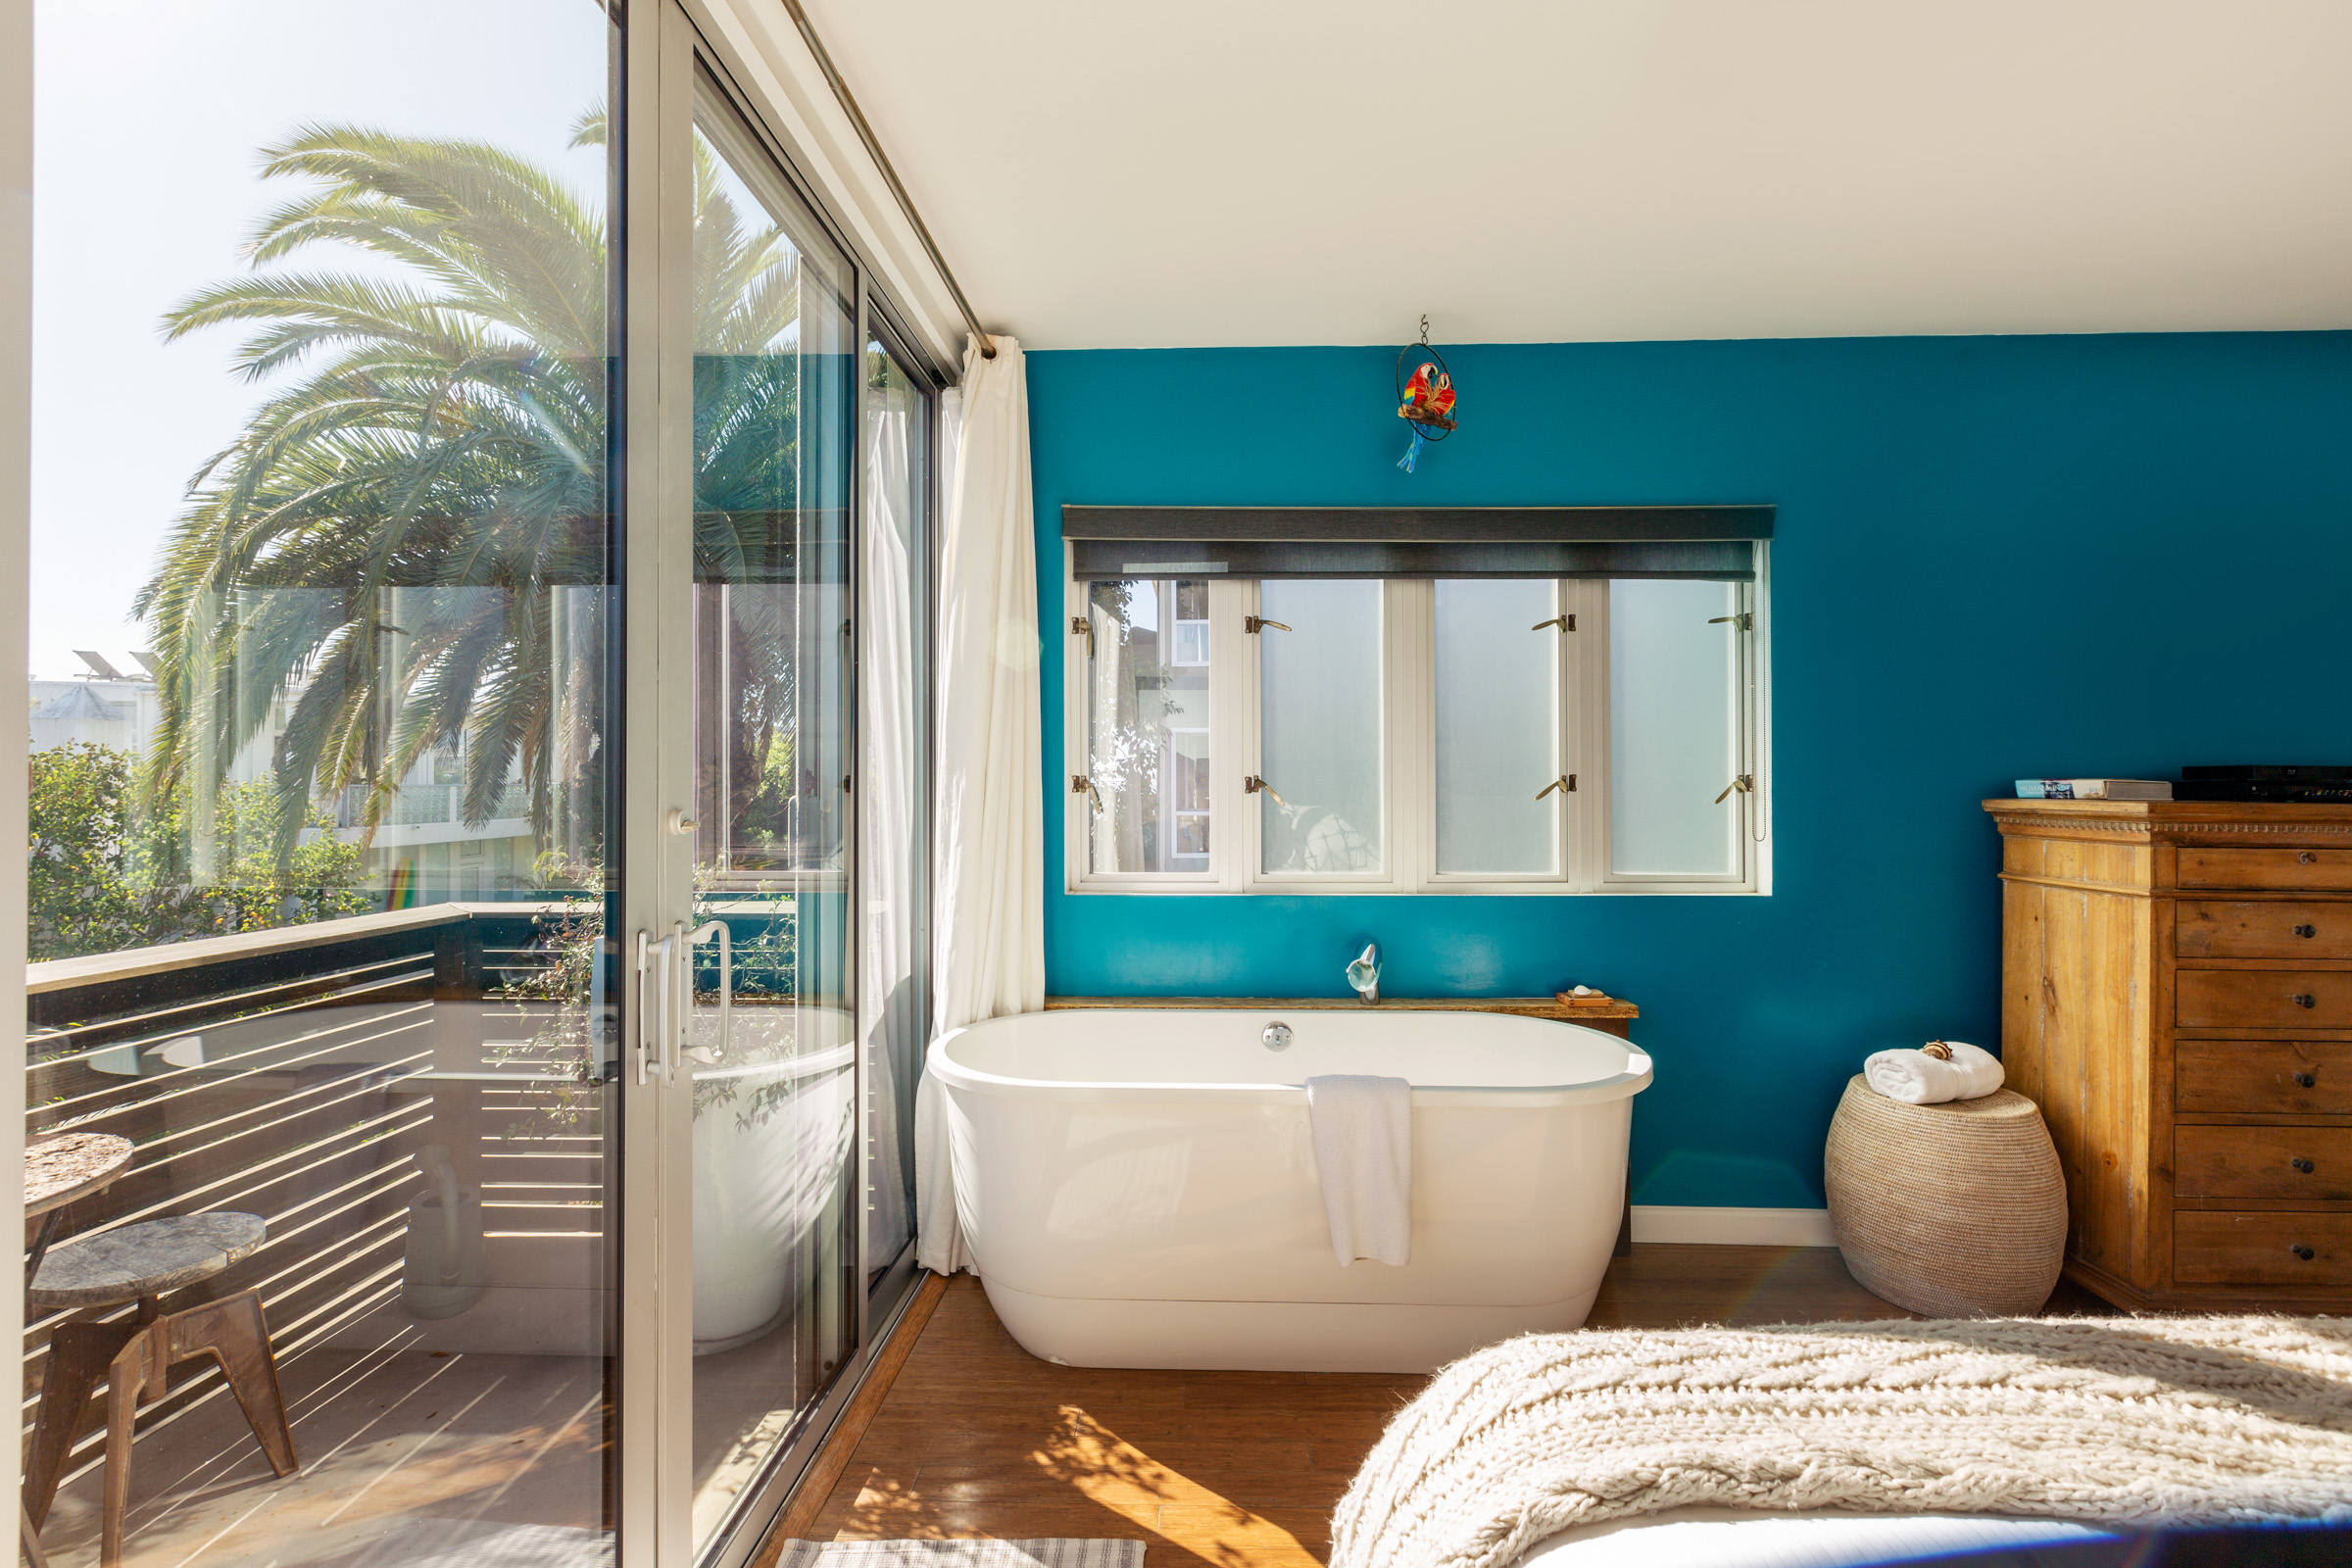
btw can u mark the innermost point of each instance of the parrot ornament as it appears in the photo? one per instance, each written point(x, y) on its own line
point(1428, 405)
point(1428, 397)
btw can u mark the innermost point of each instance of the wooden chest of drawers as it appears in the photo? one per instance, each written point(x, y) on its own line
point(2176, 996)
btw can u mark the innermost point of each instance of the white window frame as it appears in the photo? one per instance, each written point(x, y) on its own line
point(1408, 827)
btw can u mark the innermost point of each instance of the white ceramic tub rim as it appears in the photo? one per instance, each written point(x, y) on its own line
point(942, 1065)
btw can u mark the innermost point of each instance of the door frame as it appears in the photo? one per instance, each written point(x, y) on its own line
point(654, 1475)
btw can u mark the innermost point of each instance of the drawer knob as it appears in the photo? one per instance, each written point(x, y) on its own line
point(2308, 859)
point(2302, 1251)
point(2306, 1000)
point(2307, 930)
point(2307, 1080)
point(2303, 1165)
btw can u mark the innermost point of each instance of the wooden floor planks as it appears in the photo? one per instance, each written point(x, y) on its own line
point(977, 1437)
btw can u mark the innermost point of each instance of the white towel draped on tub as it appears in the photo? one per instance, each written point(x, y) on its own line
point(1918, 1079)
point(1363, 1129)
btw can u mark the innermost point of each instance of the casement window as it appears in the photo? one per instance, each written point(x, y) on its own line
point(1585, 716)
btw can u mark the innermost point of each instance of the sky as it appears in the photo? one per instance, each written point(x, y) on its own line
point(147, 122)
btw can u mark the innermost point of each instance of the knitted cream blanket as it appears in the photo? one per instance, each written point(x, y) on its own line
point(2125, 1420)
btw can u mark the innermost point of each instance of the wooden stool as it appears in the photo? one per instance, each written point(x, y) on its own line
point(1953, 1210)
point(139, 1263)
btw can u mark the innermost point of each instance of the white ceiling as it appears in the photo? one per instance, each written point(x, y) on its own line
point(1108, 173)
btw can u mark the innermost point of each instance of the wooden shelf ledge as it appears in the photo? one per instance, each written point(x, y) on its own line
point(1618, 1010)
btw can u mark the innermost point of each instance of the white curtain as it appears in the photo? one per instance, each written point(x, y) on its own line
point(886, 819)
point(989, 948)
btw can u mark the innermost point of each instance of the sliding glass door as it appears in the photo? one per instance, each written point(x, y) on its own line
point(479, 770)
point(325, 832)
point(773, 1057)
point(783, 987)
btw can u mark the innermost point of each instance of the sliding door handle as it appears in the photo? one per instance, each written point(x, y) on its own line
point(657, 976)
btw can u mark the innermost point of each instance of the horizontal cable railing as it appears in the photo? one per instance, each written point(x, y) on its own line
point(296, 1074)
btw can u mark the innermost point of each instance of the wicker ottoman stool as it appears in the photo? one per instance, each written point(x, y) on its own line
point(1954, 1210)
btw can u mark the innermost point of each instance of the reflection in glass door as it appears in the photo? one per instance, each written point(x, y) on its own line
point(771, 1042)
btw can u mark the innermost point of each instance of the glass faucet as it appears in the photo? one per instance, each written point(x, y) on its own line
point(1365, 975)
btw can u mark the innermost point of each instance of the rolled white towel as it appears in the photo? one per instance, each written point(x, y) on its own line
point(1918, 1079)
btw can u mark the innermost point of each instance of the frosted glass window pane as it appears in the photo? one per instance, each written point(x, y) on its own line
point(1319, 740)
point(1497, 694)
point(1146, 700)
point(1674, 742)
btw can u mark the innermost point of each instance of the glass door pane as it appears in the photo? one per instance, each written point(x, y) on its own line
point(894, 832)
point(322, 844)
point(1499, 726)
point(772, 1036)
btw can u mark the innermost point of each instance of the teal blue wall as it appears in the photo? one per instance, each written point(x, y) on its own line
point(1996, 556)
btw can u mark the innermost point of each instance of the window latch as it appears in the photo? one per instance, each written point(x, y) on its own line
point(1084, 626)
point(1744, 784)
point(1253, 784)
point(1254, 624)
point(1746, 620)
point(1080, 784)
point(1565, 784)
point(1565, 623)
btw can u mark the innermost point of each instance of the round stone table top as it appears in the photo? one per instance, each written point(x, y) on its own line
point(58, 1170)
point(144, 1260)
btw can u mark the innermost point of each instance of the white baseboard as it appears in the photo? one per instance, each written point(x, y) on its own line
point(1734, 1227)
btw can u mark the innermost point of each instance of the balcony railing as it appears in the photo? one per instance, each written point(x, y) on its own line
point(296, 1074)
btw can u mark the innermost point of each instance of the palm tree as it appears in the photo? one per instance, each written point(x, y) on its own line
point(410, 541)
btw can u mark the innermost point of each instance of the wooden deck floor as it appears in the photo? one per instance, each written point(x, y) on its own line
point(977, 1437)
point(405, 1454)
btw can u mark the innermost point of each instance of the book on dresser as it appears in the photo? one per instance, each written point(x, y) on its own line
point(2176, 997)
point(2094, 789)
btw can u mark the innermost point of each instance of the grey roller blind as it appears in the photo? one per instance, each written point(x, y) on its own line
point(1713, 543)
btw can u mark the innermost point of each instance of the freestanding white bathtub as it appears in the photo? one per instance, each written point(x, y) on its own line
point(1139, 1188)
